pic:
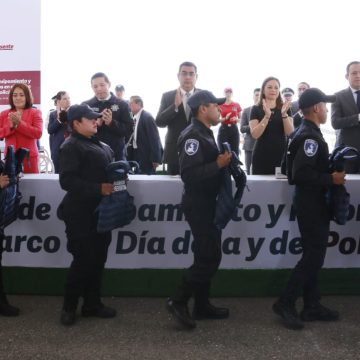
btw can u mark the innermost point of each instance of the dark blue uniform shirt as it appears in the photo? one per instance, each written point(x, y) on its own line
point(197, 156)
point(310, 166)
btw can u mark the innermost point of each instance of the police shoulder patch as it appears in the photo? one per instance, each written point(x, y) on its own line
point(310, 147)
point(191, 146)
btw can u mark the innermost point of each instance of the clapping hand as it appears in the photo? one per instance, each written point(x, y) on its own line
point(107, 116)
point(266, 108)
point(14, 118)
point(285, 107)
point(178, 98)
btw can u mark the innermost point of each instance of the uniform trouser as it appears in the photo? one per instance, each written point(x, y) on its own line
point(199, 213)
point(314, 224)
point(248, 160)
point(3, 299)
point(1, 275)
point(231, 135)
point(85, 274)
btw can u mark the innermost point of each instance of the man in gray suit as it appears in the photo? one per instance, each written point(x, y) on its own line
point(249, 141)
point(175, 114)
point(345, 113)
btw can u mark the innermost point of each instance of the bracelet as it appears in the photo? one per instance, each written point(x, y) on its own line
point(285, 117)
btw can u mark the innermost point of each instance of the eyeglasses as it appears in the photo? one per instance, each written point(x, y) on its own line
point(187, 73)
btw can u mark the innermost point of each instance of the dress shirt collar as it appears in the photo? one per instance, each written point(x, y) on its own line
point(138, 114)
point(183, 92)
point(108, 98)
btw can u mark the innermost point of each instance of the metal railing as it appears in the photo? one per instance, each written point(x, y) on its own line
point(46, 166)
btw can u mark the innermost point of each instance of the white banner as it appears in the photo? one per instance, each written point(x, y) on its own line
point(263, 234)
point(19, 47)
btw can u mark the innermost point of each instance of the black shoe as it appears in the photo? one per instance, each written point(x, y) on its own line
point(288, 314)
point(209, 311)
point(9, 310)
point(181, 313)
point(67, 318)
point(104, 312)
point(319, 312)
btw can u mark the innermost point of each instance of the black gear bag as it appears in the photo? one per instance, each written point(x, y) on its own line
point(10, 196)
point(117, 209)
point(227, 203)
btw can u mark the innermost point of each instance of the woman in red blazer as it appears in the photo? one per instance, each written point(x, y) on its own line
point(21, 125)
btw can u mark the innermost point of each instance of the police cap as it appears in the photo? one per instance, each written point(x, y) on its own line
point(203, 97)
point(287, 92)
point(119, 87)
point(76, 112)
point(313, 96)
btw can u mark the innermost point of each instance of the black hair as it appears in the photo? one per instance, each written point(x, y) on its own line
point(27, 92)
point(279, 101)
point(306, 111)
point(63, 117)
point(196, 110)
point(305, 83)
point(58, 96)
point(188, 63)
point(137, 100)
point(352, 63)
point(99, 75)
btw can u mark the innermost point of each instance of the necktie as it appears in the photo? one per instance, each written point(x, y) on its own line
point(135, 134)
point(358, 99)
point(187, 108)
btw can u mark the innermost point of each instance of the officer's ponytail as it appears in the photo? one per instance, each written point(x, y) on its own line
point(63, 118)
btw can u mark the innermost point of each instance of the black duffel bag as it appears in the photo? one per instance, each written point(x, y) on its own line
point(117, 209)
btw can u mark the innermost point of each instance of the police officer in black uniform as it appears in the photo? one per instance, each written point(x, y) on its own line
point(83, 160)
point(308, 169)
point(201, 167)
point(5, 308)
point(116, 124)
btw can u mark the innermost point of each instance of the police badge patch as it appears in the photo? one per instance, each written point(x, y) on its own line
point(191, 146)
point(114, 107)
point(310, 147)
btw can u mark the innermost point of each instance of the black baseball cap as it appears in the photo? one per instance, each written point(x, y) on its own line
point(313, 96)
point(203, 97)
point(76, 112)
point(119, 87)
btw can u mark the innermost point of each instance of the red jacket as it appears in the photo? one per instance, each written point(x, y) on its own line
point(25, 135)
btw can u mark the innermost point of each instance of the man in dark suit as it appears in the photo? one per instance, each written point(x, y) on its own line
point(116, 124)
point(175, 114)
point(145, 141)
point(249, 141)
point(345, 113)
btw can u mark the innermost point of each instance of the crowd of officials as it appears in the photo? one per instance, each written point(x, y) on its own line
point(86, 138)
